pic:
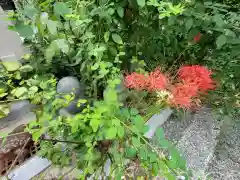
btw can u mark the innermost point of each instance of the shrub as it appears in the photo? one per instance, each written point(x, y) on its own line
point(99, 42)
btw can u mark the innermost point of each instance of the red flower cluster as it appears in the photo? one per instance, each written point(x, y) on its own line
point(135, 81)
point(198, 75)
point(184, 95)
point(197, 37)
point(154, 81)
point(192, 80)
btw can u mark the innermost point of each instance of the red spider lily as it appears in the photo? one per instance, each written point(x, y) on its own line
point(183, 95)
point(192, 82)
point(198, 75)
point(197, 37)
point(157, 81)
point(135, 81)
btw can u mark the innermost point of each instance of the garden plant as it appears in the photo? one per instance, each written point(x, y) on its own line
point(123, 61)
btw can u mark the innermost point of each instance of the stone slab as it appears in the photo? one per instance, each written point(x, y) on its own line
point(29, 169)
point(199, 141)
point(10, 42)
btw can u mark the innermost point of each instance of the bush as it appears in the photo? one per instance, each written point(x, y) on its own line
point(98, 42)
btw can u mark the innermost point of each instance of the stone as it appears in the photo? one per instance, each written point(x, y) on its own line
point(156, 121)
point(226, 161)
point(16, 106)
point(199, 140)
point(71, 109)
point(69, 85)
point(29, 169)
point(175, 126)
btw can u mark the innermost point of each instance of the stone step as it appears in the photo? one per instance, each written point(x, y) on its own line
point(225, 169)
point(195, 137)
point(175, 126)
point(199, 141)
point(10, 43)
point(226, 162)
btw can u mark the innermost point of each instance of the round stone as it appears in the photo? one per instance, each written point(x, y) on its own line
point(70, 84)
point(73, 108)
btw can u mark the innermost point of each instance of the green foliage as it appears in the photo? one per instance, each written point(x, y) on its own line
point(102, 131)
point(96, 42)
point(23, 84)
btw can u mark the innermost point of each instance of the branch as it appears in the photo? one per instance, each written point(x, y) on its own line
point(64, 141)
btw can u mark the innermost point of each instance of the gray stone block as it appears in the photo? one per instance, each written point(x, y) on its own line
point(199, 141)
point(10, 42)
point(30, 169)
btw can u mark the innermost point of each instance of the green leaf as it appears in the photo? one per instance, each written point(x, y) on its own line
point(120, 11)
point(95, 66)
point(117, 39)
point(177, 158)
point(155, 169)
point(218, 20)
point(30, 11)
point(95, 123)
point(138, 122)
point(143, 153)
point(26, 68)
point(221, 40)
point(51, 50)
point(17, 75)
point(160, 133)
point(25, 31)
point(145, 129)
point(133, 111)
point(33, 89)
point(106, 36)
point(141, 3)
point(61, 9)
point(119, 173)
point(110, 11)
point(136, 142)
point(189, 24)
point(3, 88)
point(62, 45)
point(131, 152)
point(37, 134)
point(52, 26)
point(164, 143)
point(111, 133)
point(44, 18)
point(1, 96)
point(11, 65)
point(230, 33)
point(152, 156)
point(20, 91)
point(3, 135)
point(125, 113)
point(110, 96)
point(120, 131)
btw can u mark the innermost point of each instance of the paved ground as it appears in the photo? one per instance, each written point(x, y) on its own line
point(11, 49)
point(10, 42)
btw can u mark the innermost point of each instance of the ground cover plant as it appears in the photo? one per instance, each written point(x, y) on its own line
point(134, 58)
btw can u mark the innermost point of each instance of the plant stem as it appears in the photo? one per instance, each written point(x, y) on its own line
point(64, 141)
point(15, 134)
point(153, 148)
point(15, 160)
